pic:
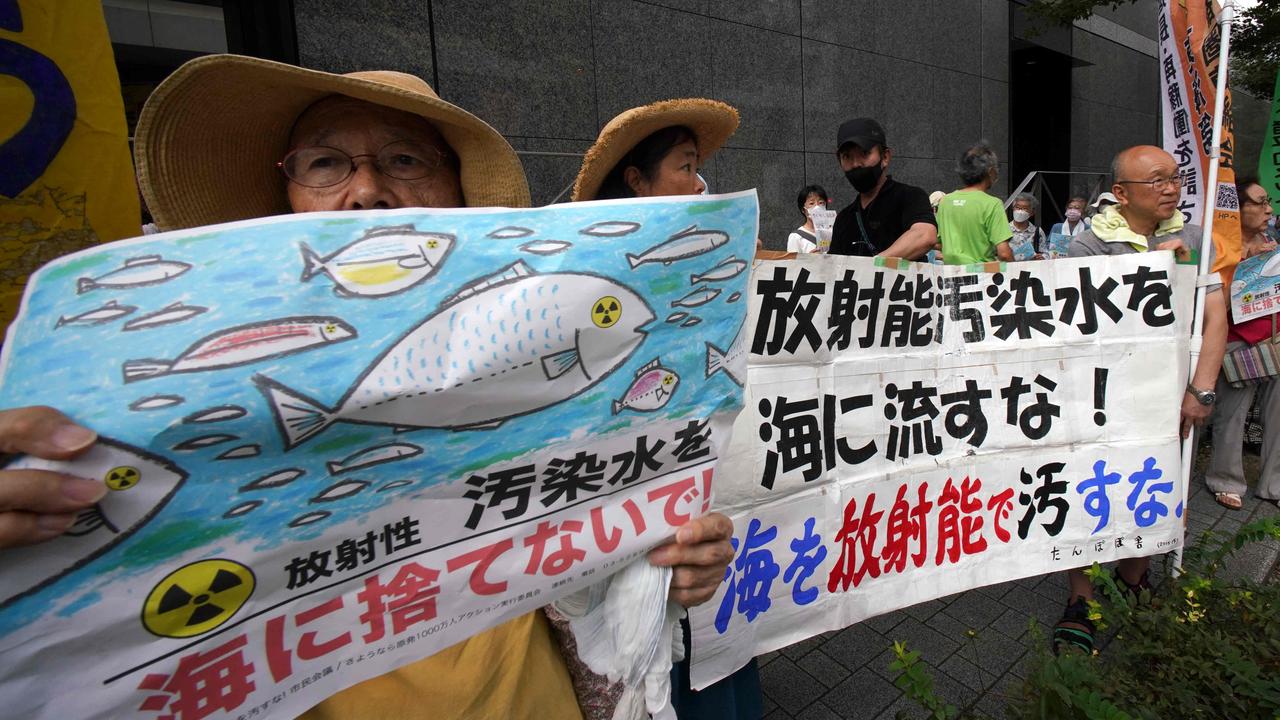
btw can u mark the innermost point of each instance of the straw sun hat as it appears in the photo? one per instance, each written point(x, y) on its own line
point(210, 135)
point(711, 121)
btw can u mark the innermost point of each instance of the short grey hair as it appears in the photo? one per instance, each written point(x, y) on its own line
point(1030, 199)
point(975, 163)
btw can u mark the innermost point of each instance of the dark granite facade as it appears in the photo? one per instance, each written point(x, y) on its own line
point(549, 73)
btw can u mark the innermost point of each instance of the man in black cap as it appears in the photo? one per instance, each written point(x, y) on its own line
point(887, 218)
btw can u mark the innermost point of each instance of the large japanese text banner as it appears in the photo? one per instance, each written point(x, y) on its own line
point(914, 431)
point(337, 443)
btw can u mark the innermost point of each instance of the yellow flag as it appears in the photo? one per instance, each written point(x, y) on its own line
point(66, 180)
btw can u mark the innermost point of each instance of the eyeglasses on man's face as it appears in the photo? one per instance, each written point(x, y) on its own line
point(1159, 184)
point(319, 166)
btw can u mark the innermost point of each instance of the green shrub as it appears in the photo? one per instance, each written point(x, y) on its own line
point(1198, 647)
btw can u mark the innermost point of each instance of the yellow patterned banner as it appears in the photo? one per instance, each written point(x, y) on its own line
point(68, 180)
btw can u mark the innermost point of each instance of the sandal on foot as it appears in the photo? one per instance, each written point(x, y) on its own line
point(1134, 590)
point(1229, 500)
point(1075, 630)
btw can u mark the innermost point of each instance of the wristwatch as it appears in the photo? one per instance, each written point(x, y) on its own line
point(1206, 397)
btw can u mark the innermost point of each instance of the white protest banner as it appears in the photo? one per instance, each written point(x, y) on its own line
point(911, 431)
point(1255, 287)
point(340, 442)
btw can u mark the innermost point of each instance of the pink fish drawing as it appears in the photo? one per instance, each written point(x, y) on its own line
point(653, 387)
point(245, 344)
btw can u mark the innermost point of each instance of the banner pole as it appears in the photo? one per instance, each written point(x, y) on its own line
point(1225, 20)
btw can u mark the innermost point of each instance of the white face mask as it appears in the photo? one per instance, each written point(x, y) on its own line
point(1021, 215)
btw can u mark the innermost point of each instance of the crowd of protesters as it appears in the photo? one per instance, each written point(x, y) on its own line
point(258, 118)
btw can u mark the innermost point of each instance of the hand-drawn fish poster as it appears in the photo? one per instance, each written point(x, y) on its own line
point(1255, 287)
point(913, 431)
point(340, 442)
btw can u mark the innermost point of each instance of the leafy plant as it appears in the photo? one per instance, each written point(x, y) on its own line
point(1199, 646)
point(916, 683)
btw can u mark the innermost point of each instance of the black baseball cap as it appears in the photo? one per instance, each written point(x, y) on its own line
point(863, 132)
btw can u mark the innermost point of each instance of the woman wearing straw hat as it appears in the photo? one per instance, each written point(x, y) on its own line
point(230, 138)
point(655, 151)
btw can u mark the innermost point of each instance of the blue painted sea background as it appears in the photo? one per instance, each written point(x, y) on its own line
point(249, 272)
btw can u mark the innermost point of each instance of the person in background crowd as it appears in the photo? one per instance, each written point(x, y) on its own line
point(1098, 205)
point(1146, 217)
point(1073, 224)
point(654, 151)
point(935, 253)
point(804, 239)
point(887, 218)
point(971, 222)
point(1027, 239)
point(1225, 475)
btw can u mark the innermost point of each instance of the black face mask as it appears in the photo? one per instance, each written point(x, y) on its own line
point(864, 179)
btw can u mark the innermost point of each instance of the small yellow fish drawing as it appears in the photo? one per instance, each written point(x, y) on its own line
point(384, 261)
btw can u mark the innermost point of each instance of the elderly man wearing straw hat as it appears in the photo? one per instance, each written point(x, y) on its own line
point(654, 151)
point(231, 138)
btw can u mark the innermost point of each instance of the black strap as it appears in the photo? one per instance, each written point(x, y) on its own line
point(866, 240)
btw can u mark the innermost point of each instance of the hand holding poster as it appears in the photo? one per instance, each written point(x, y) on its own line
point(912, 431)
point(340, 442)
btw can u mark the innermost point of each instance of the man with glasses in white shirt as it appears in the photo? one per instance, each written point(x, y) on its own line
point(1147, 189)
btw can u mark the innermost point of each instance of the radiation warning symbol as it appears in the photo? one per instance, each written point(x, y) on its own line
point(197, 598)
point(606, 312)
point(122, 478)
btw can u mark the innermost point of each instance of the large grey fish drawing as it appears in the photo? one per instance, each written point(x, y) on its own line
point(384, 261)
point(136, 272)
point(689, 242)
point(141, 484)
point(503, 346)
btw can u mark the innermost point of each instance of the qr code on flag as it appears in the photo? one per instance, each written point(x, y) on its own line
point(1227, 199)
